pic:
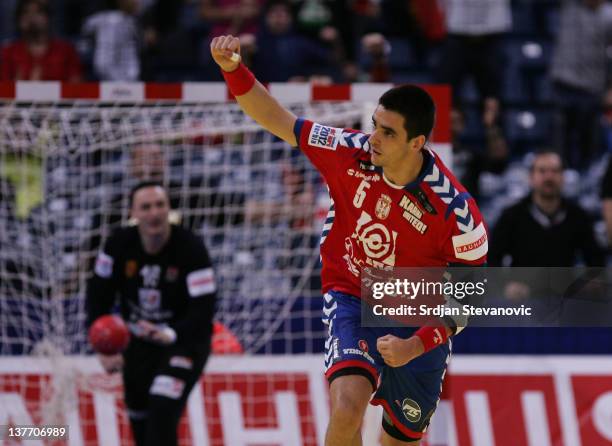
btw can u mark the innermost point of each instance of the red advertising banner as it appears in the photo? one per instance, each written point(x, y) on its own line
point(283, 400)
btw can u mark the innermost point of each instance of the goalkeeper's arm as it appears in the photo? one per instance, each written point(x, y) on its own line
point(102, 287)
point(250, 94)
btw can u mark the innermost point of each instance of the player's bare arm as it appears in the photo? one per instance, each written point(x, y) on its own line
point(257, 102)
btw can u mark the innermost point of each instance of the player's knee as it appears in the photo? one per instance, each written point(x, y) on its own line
point(347, 412)
point(349, 398)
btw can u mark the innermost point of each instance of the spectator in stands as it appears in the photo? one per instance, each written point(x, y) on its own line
point(606, 121)
point(606, 196)
point(606, 186)
point(581, 74)
point(475, 29)
point(115, 34)
point(172, 33)
point(231, 16)
point(376, 46)
point(280, 54)
point(545, 229)
point(36, 55)
point(469, 161)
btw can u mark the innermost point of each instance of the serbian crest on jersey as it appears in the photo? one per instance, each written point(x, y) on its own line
point(383, 206)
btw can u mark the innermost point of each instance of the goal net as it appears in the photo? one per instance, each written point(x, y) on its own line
point(66, 168)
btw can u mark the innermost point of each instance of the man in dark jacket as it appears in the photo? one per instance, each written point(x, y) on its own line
point(545, 229)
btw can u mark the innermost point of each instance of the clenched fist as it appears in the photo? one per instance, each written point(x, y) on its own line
point(224, 50)
point(397, 351)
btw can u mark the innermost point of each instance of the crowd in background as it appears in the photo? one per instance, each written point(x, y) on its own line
point(526, 74)
point(531, 135)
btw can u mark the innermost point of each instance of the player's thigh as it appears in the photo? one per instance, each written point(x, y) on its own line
point(349, 396)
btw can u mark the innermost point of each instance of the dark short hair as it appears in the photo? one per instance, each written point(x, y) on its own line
point(23, 4)
point(415, 105)
point(545, 151)
point(144, 185)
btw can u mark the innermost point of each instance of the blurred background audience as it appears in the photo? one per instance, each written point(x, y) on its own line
point(36, 54)
point(525, 74)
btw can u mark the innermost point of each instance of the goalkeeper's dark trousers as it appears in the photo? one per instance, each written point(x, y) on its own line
point(157, 382)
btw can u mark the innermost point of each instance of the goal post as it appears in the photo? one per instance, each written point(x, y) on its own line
point(69, 155)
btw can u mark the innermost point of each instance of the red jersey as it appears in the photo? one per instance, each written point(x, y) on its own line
point(432, 221)
point(59, 63)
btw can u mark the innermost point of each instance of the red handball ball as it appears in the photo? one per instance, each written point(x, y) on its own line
point(109, 335)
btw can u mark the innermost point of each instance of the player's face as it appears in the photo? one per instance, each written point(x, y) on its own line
point(547, 175)
point(389, 139)
point(151, 208)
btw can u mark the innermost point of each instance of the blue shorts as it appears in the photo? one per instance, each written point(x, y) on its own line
point(409, 394)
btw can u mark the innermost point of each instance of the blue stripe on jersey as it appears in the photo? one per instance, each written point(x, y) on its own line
point(363, 140)
point(329, 222)
point(457, 203)
point(348, 139)
point(297, 129)
point(355, 140)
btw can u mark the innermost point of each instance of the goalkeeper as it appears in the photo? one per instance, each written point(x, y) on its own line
point(394, 204)
point(164, 280)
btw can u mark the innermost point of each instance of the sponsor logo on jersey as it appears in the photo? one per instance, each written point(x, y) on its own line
point(355, 173)
point(172, 274)
point(131, 267)
point(324, 137)
point(383, 206)
point(363, 345)
point(356, 351)
point(472, 245)
point(149, 299)
point(413, 214)
point(365, 165)
point(411, 410)
point(104, 265)
point(352, 262)
point(376, 241)
point(336, 349)
point(201, 282)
